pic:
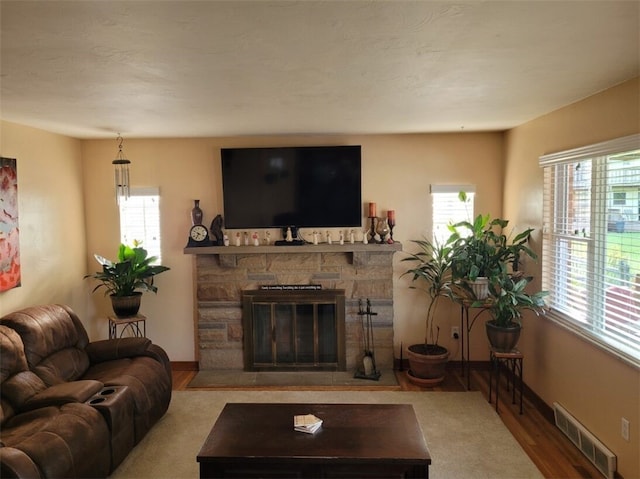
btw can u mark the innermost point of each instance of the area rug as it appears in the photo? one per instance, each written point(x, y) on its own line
point(465, 437)
point(322, 379)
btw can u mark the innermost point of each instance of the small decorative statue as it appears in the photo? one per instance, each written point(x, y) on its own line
point(329, 238)
point(216, 231)
point(238, 238)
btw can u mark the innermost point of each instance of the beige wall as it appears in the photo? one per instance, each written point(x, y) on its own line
point(594, 386)
point(51, 218)
point(397, 171)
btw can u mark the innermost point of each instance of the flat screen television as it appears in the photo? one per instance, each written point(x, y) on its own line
point(301, 187)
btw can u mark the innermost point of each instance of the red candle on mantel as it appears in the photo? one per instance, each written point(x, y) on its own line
point(372, 210)
point(391, 217)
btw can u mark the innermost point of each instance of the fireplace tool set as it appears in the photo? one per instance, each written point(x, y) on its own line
point(368, 369)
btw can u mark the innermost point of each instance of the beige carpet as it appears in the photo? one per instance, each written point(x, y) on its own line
point(464, 435)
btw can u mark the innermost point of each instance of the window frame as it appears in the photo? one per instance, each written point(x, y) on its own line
point(451, 190)
point(147, 192)
point(596, 260)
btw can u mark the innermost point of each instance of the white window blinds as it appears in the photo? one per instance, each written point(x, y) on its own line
point(591, 242)
point(140, 220)
point(448, 209)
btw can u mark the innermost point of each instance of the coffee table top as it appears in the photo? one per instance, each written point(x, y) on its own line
point(385, 432)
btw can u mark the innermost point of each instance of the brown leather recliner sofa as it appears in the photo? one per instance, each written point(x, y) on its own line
point(71, 408)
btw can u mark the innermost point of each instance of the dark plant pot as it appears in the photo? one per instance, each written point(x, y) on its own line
point(427, 364)
point(503, 339)
point(125, 306)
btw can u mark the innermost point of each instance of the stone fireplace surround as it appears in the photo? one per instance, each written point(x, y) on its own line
point(222, 273)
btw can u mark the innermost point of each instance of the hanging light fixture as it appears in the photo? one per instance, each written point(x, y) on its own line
point(121, 165)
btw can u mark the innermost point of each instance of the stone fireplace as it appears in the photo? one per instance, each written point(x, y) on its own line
point(222, 274)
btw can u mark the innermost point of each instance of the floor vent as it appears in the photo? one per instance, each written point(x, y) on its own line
point(591, 447)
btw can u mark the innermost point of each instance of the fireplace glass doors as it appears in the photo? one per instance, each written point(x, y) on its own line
point(294, 330)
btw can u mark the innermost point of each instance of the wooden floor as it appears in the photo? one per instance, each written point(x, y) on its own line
point(548, 448)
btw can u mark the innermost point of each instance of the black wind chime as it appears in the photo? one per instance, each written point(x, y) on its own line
point(368, 369)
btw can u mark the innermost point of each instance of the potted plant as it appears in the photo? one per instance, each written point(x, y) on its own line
point(483, 251)
point(507, 301)
point(125, 280)
point(432, 270)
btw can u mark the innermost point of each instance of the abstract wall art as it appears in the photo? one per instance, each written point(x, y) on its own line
point(9, 231)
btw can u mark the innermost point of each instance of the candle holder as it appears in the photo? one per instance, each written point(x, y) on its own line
point(392, 223)
point(391, 220)
point(372, 231)
point(382, 229)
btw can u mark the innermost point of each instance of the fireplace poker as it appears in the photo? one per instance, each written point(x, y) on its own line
point(368, 361)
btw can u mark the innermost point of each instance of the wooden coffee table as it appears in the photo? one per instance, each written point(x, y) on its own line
point(356, 440)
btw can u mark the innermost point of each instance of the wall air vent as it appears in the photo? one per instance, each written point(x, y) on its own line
point(591, 447)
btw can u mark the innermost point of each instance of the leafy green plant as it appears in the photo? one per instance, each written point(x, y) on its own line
point(509, 298)
point(133, 272)
point(478, 248)
point(482, 249)
point(432, 270)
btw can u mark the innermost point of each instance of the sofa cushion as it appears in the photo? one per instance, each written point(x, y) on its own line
point(15, 463)
point(21, 387)
point(18, 383)
point(109, 349)
point(71, 440)
point(54, 341)
point(12, 353)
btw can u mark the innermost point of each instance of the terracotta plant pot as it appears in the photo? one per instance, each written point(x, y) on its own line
point(126, 306)
point(427, 363)
point(503, 339)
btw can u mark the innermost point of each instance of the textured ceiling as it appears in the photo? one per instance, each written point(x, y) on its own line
point(88, 69)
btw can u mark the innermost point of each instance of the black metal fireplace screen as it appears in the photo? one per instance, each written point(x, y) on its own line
point(294, 330)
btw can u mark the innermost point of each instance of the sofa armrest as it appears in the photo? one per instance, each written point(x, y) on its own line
point(161, 356)
point(14, 463)
point(110, 349)
point(58, 394)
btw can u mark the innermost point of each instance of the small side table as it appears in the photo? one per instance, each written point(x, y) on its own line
point(513, 360)
point(132, 323)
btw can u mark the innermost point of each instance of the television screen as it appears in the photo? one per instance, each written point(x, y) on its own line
point(292, 186)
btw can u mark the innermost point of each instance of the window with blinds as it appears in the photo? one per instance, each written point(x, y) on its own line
point(448, 209)
point(591, 242)
point(140, 220)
